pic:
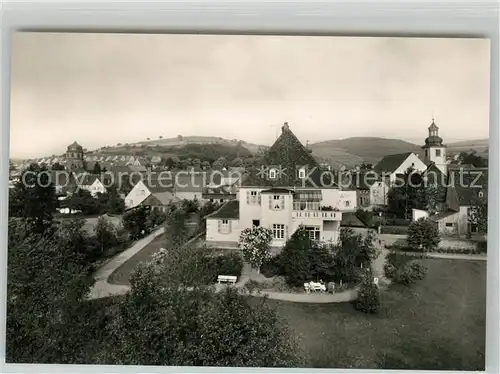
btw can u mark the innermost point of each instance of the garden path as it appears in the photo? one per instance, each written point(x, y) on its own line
point(101, 287)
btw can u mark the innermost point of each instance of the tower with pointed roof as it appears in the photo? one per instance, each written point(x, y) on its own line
point(434, 149)
point(74, 156)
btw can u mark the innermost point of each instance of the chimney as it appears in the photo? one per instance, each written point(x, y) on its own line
point(285, 127)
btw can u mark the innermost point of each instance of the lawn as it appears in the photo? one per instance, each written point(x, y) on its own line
point(438, 323)
point(122, 274)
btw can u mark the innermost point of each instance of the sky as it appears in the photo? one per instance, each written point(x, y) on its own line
point(104, 89)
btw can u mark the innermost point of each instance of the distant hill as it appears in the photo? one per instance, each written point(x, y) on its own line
point(349, 151)
point(181, 141)
point(481, 146)
point(352, 151)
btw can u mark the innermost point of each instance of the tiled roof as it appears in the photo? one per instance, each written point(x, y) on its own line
point(230, 210)
point(287, 154)
point(466, 186)
point(391, 162)
point(442, 215)
point(160, 198)
point(362, 180)
point(349, 219)
point(211, 192)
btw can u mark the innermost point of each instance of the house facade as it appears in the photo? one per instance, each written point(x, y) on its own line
point(288, 189)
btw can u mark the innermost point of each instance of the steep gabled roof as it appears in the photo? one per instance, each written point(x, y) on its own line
point(390, 163)
point(469, 184)
point(287, 155)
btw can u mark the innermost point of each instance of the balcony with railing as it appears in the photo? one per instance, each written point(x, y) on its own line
point(311, 210)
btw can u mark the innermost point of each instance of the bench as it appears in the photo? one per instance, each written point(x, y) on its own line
point(227, 279)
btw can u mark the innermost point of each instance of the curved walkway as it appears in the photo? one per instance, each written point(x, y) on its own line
point(101, 287)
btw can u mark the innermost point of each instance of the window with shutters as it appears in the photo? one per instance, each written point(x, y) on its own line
point(224, 226)
point(278, 231)
point(277, 202)
point(273, 173)
point(253, 197)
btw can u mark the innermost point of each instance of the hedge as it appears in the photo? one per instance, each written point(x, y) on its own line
point(228, 264)
point(465, 251)
point(395, 230)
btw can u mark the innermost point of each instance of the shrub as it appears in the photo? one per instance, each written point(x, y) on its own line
point(411, 272)
point(389, 270)
point(423, 235)
point(271, 267)
point(368, 300)
point(252, 285)
point(229, 264)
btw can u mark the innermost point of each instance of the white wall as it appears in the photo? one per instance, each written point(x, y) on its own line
point(95, 188)
point(416, 214)
point(418, 165)
point(214, 235)
point(282, 216)
point(337, 199)
point(248, 212)
point(378, 193)
point(438, 160)
point(137, 195)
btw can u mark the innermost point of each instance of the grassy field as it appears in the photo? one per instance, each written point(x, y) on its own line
point(438, 324)
point(122, 274)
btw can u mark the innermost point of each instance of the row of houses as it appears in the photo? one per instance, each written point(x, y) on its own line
point(290, 189)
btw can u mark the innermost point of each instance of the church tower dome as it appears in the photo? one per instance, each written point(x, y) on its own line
point(435, 150)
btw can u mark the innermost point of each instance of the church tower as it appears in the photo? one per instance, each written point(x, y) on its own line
point(435, 150)
point(74, 156)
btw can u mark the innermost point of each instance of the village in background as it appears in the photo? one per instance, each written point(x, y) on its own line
point(159, 257)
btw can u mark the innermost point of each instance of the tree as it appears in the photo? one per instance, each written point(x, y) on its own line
point(423, 235)
point(57, 166)
point(114, 204)
point(196, 163)
point(83, 201)
point(205, 165)
point(177, 231)
point(217, 165)
point(478, 212)
point(135, 222)
point(159, 325)
point(97, 169)
point(72, 235)
point(46, 287)
point(34, 198)
point(368, 300)
point(105, 233)
point(255, 243)
point(160, 137)
point(406, 195)
point(237, 162)
point(176, 161)
point(179, 138)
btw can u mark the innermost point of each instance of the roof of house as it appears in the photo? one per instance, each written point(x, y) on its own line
point(230, 210)
point(287, 154)
point(210, 192)
point(362, 180)
point(350, 219)
point(441, 215)
point(160, 198)
point(465, 186)
point(277, 190)
point(391, 162)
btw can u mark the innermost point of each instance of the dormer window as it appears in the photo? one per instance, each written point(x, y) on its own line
point(272, 173)
point(302, 173)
